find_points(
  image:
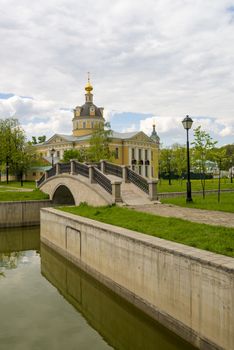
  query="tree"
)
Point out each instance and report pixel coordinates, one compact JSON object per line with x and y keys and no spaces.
{"x":179,"y":159}
{"x":40,"y":139}
{"x":78,"y":154}
{"x":203,"y":144}
{"x":15,"y":153}
{"x":167,"y":162}
{"x":99,"y":144}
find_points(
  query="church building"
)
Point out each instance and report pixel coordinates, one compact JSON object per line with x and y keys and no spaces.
{"x":135,"y":149}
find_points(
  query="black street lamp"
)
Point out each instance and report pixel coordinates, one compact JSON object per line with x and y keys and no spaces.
{"x":231,"y":170}
{"x":187,"y":124}
{"x":52,"y":152}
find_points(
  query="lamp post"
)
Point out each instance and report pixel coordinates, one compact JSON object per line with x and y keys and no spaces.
{"x":231,"y":170}
{"x":52,"y":152}
{"x":187,"y":124}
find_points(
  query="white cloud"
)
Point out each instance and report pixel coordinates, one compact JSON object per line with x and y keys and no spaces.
{"x":163,"y":57}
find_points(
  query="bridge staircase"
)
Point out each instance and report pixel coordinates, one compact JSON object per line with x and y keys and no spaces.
{"x":114,"y":182}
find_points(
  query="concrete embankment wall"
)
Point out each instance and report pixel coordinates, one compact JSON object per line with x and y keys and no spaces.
{"x":21,"y":213}
{"x":188,"y":290}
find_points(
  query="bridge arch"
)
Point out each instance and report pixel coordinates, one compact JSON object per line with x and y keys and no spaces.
{"x":62,"y":195}
{"x":80,"y":189}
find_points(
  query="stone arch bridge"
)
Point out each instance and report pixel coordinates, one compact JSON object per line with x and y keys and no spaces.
{"x":96,"y":184}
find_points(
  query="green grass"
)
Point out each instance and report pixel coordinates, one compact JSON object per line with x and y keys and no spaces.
{"x":213,"y":238}
{"x":178,"y":186}
{"x":26,"y":184}
{"x":23,"y":196}
{"x":210,"y":202}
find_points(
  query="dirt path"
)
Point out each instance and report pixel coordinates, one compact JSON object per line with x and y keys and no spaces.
{"x":210,"y":217}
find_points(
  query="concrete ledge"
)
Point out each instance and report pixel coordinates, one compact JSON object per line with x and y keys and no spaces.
{"x":188,"y":290}
{"x":21,"y":213}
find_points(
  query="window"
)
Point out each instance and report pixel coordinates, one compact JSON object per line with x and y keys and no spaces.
{"x":92,"y":125}
{"x":58,"y":154}
{"x":116,"y":153}
{"x":146,"y":154}
{"x":84,"y":125}
{"x":146,"y":171}
{"x":139,"y":170}
{"x":133,"y":153}
{"x":34,"y":174}
{"x":133,"y":167}
{"x":139,"y":154}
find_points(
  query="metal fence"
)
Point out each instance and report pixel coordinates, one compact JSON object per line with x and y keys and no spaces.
{"x":51,"y":172}
{"x":65,"y":167}
{"x":81,"y":169}
{"x":113,"y":169}
{"x":102,"y":180}
{"x":138,"y":180}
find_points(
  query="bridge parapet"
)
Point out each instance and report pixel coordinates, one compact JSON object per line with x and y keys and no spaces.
{"x":149,"y":186}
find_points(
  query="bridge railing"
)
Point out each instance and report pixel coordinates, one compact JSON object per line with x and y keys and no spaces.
{"x":64,"y":167}
{"x":42,"y":179}
{"x":102,"y":180}
{"x":80,"y":168}
{"x":138,"y":180}
{"x":113,"y":169}
{"x":51,"y":172}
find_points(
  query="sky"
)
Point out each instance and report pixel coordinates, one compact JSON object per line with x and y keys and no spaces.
{"x":151,"y":61}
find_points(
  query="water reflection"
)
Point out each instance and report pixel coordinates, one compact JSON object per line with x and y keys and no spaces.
{"x":120,"y":324}
{"x":13,"y":244}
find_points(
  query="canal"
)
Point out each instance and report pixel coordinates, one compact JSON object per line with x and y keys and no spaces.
{"x":48,"y":303}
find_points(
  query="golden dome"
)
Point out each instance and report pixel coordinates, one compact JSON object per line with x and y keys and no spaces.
{"x":88,"y":86}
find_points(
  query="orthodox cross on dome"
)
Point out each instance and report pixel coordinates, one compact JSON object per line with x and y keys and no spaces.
{"x":88,"y":86}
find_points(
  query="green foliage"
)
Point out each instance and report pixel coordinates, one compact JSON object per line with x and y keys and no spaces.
{"x":166,"y":162}
{"x":79,"y":154}
{"x":179,"y":159}
{"x":213,"y":238}
{"x":15,"y":152}
{"x":99,"y":144}
{"x":201,"y":152}
{"x":40,"y":139}
{"x":209,"y":203}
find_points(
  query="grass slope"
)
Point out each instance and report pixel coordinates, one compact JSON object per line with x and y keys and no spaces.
{"x":213,"y":238}
{"x":210,"y":202}
{"x":22,"y":196}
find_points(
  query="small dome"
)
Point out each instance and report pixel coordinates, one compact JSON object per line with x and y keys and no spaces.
{"x":88,"y":87}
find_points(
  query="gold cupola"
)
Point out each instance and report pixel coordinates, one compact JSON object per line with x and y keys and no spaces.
{"x":88,"y":117}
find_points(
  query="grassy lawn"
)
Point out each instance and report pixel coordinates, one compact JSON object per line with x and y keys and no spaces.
{"x":26,"y":184}
{"x":22,"y":196}
{"x":213,"y":238}
{"x":178,"y":186}
{"x":210,"y":202}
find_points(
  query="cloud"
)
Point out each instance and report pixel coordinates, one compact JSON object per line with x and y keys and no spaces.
{"x":160,"y":57}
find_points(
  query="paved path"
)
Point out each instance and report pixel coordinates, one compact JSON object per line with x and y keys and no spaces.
{"x":196,"y":215}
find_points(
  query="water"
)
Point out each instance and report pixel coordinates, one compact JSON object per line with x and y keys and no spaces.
{"x":48,"y":303}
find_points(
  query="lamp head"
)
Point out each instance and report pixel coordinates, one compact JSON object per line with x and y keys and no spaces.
{"x":187,"y":122}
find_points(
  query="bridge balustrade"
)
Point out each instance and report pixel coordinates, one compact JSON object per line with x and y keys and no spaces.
{"x":113,"y":169}
{"x":102,"y":180}
{"x":65,"y":167}
{"x":81,"y":169}
{"x":42,"y":179}
{"x":138,"y":180}
{"x":51,"y":172}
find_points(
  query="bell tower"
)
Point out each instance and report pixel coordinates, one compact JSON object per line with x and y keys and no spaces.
{"x":88,"y":117}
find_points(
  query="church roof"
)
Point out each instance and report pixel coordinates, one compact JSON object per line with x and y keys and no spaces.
{"x":85,"y":110}
{"x":123,"y":135}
